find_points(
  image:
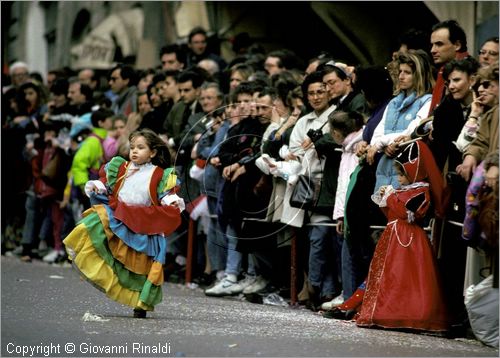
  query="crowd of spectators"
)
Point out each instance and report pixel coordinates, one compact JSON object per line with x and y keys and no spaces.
{"x":242,"y":133}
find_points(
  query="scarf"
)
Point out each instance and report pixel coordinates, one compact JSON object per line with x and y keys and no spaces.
{"x":401,"y":110}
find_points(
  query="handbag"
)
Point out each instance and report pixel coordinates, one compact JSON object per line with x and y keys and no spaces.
{"x":52,"y":168}
{"x":305,"y":193}
{"x":481,"y":302}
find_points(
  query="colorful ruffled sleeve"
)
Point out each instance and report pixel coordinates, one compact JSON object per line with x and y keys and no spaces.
{"x":112,"y":168}
{"x":168,"y":183}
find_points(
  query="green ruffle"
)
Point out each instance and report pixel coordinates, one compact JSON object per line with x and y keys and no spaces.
{"x":150,"y":293}
{"x":112,"y":170}
{"x":164,"y":184}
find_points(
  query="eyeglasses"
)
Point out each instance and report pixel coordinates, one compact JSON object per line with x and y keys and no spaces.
{"x":485,"y":84}
{"x":489,"y":52}
{"x":330,"y":83}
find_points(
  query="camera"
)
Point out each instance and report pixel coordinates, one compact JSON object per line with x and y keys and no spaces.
{"x":314,"y":134}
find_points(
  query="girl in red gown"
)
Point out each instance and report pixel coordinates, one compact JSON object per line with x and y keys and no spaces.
{"x":403,"y":288}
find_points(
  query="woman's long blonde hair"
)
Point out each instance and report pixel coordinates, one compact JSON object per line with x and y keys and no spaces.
{"x":420,"y":63}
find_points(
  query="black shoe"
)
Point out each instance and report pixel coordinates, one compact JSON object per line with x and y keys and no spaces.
{"x":205,"y":280}
{"x":253,"y":298}
{"x":61,"y":258}
{"x":314,"y":303}
{"x":337,"y":313}
{"x":139,"y":313}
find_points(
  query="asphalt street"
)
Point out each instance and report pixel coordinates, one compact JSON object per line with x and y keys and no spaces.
{"x":47,"y":310}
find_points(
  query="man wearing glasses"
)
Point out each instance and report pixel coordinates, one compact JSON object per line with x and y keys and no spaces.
{"x":488,"y":54}
{"x":19,"y":74}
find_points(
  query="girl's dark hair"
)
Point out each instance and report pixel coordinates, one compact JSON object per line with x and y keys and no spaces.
{"x":100,"y":115}
{"x":162,"y":157}
{"x":346,"y":122}
{"x":38,"y":88}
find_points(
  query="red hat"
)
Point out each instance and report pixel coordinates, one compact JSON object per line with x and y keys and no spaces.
{"x":419,"y":164}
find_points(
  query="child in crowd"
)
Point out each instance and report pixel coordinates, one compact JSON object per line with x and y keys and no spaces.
{"x":50,"y":165}
{"x":120,"y":244}
{"x":111,"y":144}
{"x":403,"y":289}
{"x":346,"y":130}
{"x":89,"y":156}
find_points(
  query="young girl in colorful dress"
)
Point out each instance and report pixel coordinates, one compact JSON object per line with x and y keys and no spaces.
{"x":120,"y":244}
{"x":403,"y":289}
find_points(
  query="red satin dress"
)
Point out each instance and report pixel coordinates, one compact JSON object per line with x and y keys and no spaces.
{"x":403,"y":288}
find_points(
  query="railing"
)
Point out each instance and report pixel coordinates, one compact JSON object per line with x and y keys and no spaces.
{"x":293,"y":249}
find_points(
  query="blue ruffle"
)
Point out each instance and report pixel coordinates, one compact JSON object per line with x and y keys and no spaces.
{"x":154,"y":246}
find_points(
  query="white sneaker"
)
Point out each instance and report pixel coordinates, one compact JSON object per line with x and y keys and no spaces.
{"x":337,"y":301}
{"x":259,"y":284}
{"x":52,"y":256}
{"x":220,"y":275}
{"x":242,"y":284}
{"x":226,"y":287}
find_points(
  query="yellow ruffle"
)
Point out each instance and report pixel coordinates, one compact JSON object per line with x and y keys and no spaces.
{"x":92,"y":266}
{"x":134,"y":261}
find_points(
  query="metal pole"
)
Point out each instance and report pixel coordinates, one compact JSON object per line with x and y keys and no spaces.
{"x":189,"y":256}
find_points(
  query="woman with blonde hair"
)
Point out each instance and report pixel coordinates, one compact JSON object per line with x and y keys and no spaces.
{"x":239,"y":73}
{"x":403,"y":113}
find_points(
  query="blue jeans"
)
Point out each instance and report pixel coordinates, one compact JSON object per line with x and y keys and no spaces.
{"x":323,"y":271}
{"x":234,"y":258}
{"x":216,"y":240}
{"x":33,"y":221}
{"x":349,"y":284}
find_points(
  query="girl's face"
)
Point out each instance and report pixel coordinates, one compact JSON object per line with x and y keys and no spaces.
{"x":31,"y":96}
{"x":402,"y":179}
{"x":144,"y":83}
{"x":405,"y":77}
{"x":140,"y":152}
{"x":143,"y":105}
{"x":119,"y":127}
{"x":236,"y":79}
{"x":459,"y":84}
